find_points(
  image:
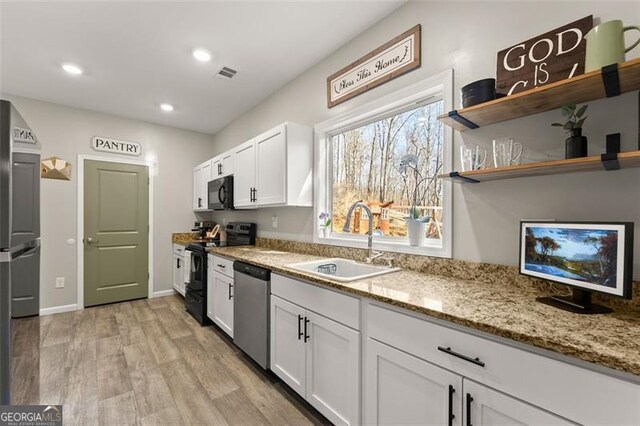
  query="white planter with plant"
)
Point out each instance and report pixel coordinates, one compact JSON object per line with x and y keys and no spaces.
{"x":416,"y":224}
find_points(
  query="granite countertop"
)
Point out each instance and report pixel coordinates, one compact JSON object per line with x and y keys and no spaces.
{"x":611,"y":340}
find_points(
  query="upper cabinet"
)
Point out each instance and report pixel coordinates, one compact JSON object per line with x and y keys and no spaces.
{"x":244,"y":177}
{"x":275,"y":168}
{"x":222,"y":165}
{"x":201,"y":177}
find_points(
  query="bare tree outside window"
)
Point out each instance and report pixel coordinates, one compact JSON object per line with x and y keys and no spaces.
{"x":366,"y":167}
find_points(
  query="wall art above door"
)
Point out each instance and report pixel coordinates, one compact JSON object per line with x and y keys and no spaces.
{"x":394,"y":58}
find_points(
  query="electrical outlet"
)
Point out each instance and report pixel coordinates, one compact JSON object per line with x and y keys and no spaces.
{"x":60,"y":282}
{"x":274,"y":221}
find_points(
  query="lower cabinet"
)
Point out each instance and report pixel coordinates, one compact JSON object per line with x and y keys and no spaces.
{"x":484,"y":406}
{"x":220,"y":298}
{"x":317,"y":357}
{"x":178,"y":274}
{"x":403,"y":389}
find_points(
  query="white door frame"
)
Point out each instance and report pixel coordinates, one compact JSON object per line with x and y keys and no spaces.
{"x":80,"y":233}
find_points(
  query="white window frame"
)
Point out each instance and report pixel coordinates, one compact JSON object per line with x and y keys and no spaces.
{"x":439,"y":86}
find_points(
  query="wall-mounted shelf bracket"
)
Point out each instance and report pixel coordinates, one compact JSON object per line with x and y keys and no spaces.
{"x":460,"y":119}
{"x":611,"y":80}
{"x":456,"y":175}
{"x":610,"y":161}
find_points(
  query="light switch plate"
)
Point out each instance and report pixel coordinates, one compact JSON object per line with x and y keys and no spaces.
{"x":274,"y":221}
{"x":60,"y":282}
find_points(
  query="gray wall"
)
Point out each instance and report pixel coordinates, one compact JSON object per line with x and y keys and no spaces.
{"x":467,"y":37}
{"x":67,"y":132}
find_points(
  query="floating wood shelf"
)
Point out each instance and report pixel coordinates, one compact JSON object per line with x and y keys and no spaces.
{"x":583,"y":88}
{"x":584,"y":164}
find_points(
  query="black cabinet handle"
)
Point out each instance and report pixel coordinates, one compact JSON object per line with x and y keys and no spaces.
{"x":230,"y":295}
{"x":300,"y":334}
{"x":469,"y":401}
{"x":306,"y":336}
{"x":451,"y":415}
{"x":448,"y":350}
{"x":199,"y":202}
{"x":220,"y":265}
{"x":178,"y":263}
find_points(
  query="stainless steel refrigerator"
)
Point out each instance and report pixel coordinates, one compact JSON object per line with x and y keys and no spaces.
{"x":19,"y":230}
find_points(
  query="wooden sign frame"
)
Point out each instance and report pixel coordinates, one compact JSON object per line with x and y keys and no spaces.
{"x":376,"y":68}
{"x":553,"y":56}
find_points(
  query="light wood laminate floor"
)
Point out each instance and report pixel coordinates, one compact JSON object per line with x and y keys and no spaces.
{"x":145,"y":362}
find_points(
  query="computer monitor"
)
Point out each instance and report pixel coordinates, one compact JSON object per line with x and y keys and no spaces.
{"x":589,"y":257}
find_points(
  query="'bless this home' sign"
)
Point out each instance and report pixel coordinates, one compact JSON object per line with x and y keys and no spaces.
{"x":550,"y":57}
{"x":394,"y":58}
{"x":116,"y":146}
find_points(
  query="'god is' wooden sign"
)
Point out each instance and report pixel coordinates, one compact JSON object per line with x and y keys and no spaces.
{"x":550,"y":57}
{"x":391,"y":60}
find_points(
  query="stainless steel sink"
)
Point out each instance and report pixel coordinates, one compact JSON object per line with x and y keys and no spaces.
{"x":342,"y":270}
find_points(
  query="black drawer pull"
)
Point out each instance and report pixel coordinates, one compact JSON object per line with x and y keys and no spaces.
{"x":230,"y":295}
{"x":469,"y":401}
{"x":448,"y":350}
{"x":306,"y":322}
{"x":300,"y":334}
{"x":451,"y":415}
{"x":220,"y":265}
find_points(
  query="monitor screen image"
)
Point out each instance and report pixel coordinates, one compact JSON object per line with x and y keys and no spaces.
{"x":591,"y":256}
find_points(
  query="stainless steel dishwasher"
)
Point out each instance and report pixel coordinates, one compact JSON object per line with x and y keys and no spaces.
{"x":251,"y":290}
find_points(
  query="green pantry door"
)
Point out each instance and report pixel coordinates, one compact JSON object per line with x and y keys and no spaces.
{"x":116,"y":232}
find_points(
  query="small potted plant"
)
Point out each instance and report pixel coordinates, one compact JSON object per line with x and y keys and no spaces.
{"x":416,"y":224}
{"x":576,"y":144}
{"x":417,"y":227}
{"x":325,"y":224}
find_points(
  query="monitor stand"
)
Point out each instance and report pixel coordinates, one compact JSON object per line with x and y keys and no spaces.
{"x":579,"y":302}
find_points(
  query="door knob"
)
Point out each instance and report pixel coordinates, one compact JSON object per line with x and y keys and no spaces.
{"x":91,"y":240}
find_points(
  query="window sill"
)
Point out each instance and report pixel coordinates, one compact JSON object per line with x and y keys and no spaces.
{"x":381,"y":245}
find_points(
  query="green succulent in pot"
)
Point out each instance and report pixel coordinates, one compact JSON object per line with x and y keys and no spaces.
{"x":575,"y":117}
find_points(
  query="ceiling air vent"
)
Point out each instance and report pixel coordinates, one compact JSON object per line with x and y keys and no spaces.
{"x":227,"y":72}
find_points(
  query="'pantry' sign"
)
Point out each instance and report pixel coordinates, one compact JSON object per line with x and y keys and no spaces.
{"x":116,"y":146}
{"x":391,"y":60}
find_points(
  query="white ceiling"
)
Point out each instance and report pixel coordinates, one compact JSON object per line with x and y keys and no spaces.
{"x":138,"y":55}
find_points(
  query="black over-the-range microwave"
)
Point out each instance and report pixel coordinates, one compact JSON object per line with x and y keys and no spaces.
{"x":220,"y":192}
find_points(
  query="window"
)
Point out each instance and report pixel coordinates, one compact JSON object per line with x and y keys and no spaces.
{"x":388,"y":154}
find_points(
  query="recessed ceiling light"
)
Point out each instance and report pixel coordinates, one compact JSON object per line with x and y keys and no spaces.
{"x":166,"y":107}
{"x":72,"y":69}
{"x":202,"y":55}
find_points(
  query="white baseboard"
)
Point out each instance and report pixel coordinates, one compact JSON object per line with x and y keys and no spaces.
{"x":163,"y":293}
{"x":58,"y":309}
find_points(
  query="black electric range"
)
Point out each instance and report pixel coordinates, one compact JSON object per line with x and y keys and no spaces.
{"x":238,"y":234}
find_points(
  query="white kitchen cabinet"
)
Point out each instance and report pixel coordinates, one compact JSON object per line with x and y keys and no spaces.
{"x":201,"y":177}
{"x":244,"y":175}
{"x":222,"y":306}
{"x":178,"y":274}
{"x":316,"y":356}
{"x":271,"y":167}
{"x":222,"y":165}
{"x":546,"y":384}
{"x":220,"y":294}
{"x":333,"y":369}
{"x":288,"y":354}
{"x":403,"y":389}
{"x":484,"y":406}
{"x":275,"y":168}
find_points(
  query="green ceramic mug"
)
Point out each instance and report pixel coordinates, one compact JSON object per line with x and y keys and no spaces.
{"x":605,"y":44}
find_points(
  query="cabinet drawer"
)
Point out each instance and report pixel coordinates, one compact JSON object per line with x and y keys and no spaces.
{"x":223,"y":265}
{"x":178,"y":249}
{"x":339,"y":307}
{"x":573,"y":392}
